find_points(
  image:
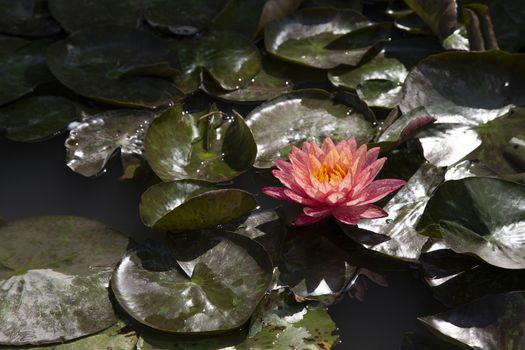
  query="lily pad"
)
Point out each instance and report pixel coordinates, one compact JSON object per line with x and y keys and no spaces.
{"x":54,"y":276}
{"x":276,"y":9}
{"x":207,"y":282}
{"x":440,"y":16}
{"x":462,"y":214}
{"x":199,"y":146}
{"x":414,"y":341}
{"x":377,"y":82}
{"x":302,"y":37}
{"x":462,"y":90}
{"x":229,"y":58}
{"x":185,"y":17}
{"x":305,"y":115}
{"x":23,"y":67}
{"x":492,"y":322}
{"x":92,"y":142}
{"x":241,"y":16}
{"x":27,"y":18}
{"x":37,"y":118}
{"x":110,"y":64}
{"x":403,"y":128}
{"x":81,"y":14}
{"x":192,"y":205}
{"x":404,"y":211}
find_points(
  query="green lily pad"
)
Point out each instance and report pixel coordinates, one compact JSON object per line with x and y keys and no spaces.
{"x":278,"y":323}
{"x":92,"y":142}
{"x":276,"y":9}
{"x":112,"y":338}
{"x":463,"y":213}
{"x":37,"y":118}
{"x":305,"y":115}
{"x":110,"y":64}
{"x":462,"y":90}
{"x":54,"y":276}
{"x":81,"y":14}
{"x":377,"y":82}
{"x":440,"y":16}
{"x":23,"y":67}
{"x":199,"y":146}
{"x":241,"y":16}
{"x":185,"y":17}
{"x":229,"y":58}
{"x":192,"y":205}
{"x":404,"y":211}
{"x":206,"y":282}
{"x":492,"y":322}
{"x":27,"y":18}
{"x":302,"y":37}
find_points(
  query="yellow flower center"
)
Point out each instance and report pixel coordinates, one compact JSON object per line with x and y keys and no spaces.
{"x":334,"y":174}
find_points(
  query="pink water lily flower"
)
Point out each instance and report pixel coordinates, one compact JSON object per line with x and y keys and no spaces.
{"x":333,"y":180}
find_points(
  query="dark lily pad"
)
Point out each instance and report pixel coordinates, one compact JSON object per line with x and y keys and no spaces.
{"x":80,"y":14}
{"x":185,"y":17}
{"x":462,"y":90}
{"x":92,"y":142}
{"x":23,"y":67}
{"x":207,"y":282}
{"x":276,"y":9}
{"x":377,"y":82}
{"x":27,"y":18}
{"x":37,"y":118}
{"x":192,"y":205}
{"x":412,"y":24}
{"x":305,"y":115}
{"x":115,"y":337}
{"x":230,"y":59}
{"x":404,"y":127}
{"x":492,"y":322}
{"x":54,"y":276}
{"x":199,"y":146}
{"x":302,"y":37}
{"x":440,"y":16}
{"x":404,"y":211}
{"x":463,"y":214}
{"x":241,"y":16}
{"x":110,"y":64}
{"x":413,"y":341}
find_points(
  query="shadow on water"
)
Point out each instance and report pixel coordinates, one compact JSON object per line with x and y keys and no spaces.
{"x":36,"y":181}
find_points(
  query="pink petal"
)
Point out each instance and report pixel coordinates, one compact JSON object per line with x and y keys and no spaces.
{"x":284,"y":166}
{"x":368,"y":174}
{"x":328,"y":145}
{"x":371,"y":155}
{"x":303,"y":220}
{"x":288,"y":180}
{"x":373,"y":212}
{"x":379,"y":189}
{"x":277,"y":192}
{"x":301,"y":199}
{"x":351,"y":215}
{"x":317,"y":212}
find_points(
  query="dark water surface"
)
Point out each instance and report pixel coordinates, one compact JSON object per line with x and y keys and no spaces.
{"x":34,"y":180}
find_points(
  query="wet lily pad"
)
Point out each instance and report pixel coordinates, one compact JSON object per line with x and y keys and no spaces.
{"x":230,"y":59}
{"x":440,"y":16}
{"x":276,"y":9}
{"x":37,"y":118}
{"x":81,"y":14}
{"x":199,"y":146}
{"x":463,"y":214}
{"x":92,"y":142}
{"x":27,"y":18}
{"x":403,"y":128}
{"x":492,"y":322}
{"x":302,"y":37}
{"x":462,"y":90}
{"x":377,"y":82}
{"x":404,"y":211}
{"x":304,"y":115}
{"x":192,"y":205}
{"x":23,"y":67}
{"x":241,"y":16}
{"x":54,"y":276}
{"x":206,"y":282}
{"x":110,"y":64}
{"x":185,"y":17}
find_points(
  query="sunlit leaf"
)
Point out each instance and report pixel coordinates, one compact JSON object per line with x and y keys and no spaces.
{"x":192,"y":205}
{"x":54,"y":274}
{"x":305,"y":115}
{"x":205,"y":282}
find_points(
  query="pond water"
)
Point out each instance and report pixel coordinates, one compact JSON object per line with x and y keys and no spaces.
{"x":35,"y":181}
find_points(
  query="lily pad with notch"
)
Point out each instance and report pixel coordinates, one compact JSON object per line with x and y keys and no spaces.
{"x":54,"y":274}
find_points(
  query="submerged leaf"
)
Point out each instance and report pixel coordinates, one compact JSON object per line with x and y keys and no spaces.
{"x":92,"y":142}
{"x":305,"y":115}
{"x":53,"y":279}
{"x":206,"y":282}
{"x":192,"y":205}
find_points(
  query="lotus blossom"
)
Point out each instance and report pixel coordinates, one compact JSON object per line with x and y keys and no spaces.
{"x":333,"y":180}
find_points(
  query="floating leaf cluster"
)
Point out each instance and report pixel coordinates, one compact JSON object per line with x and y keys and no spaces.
{"x":193,"y":95}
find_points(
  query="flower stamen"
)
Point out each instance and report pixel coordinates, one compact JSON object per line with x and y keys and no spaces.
{"x":333,"y":174}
